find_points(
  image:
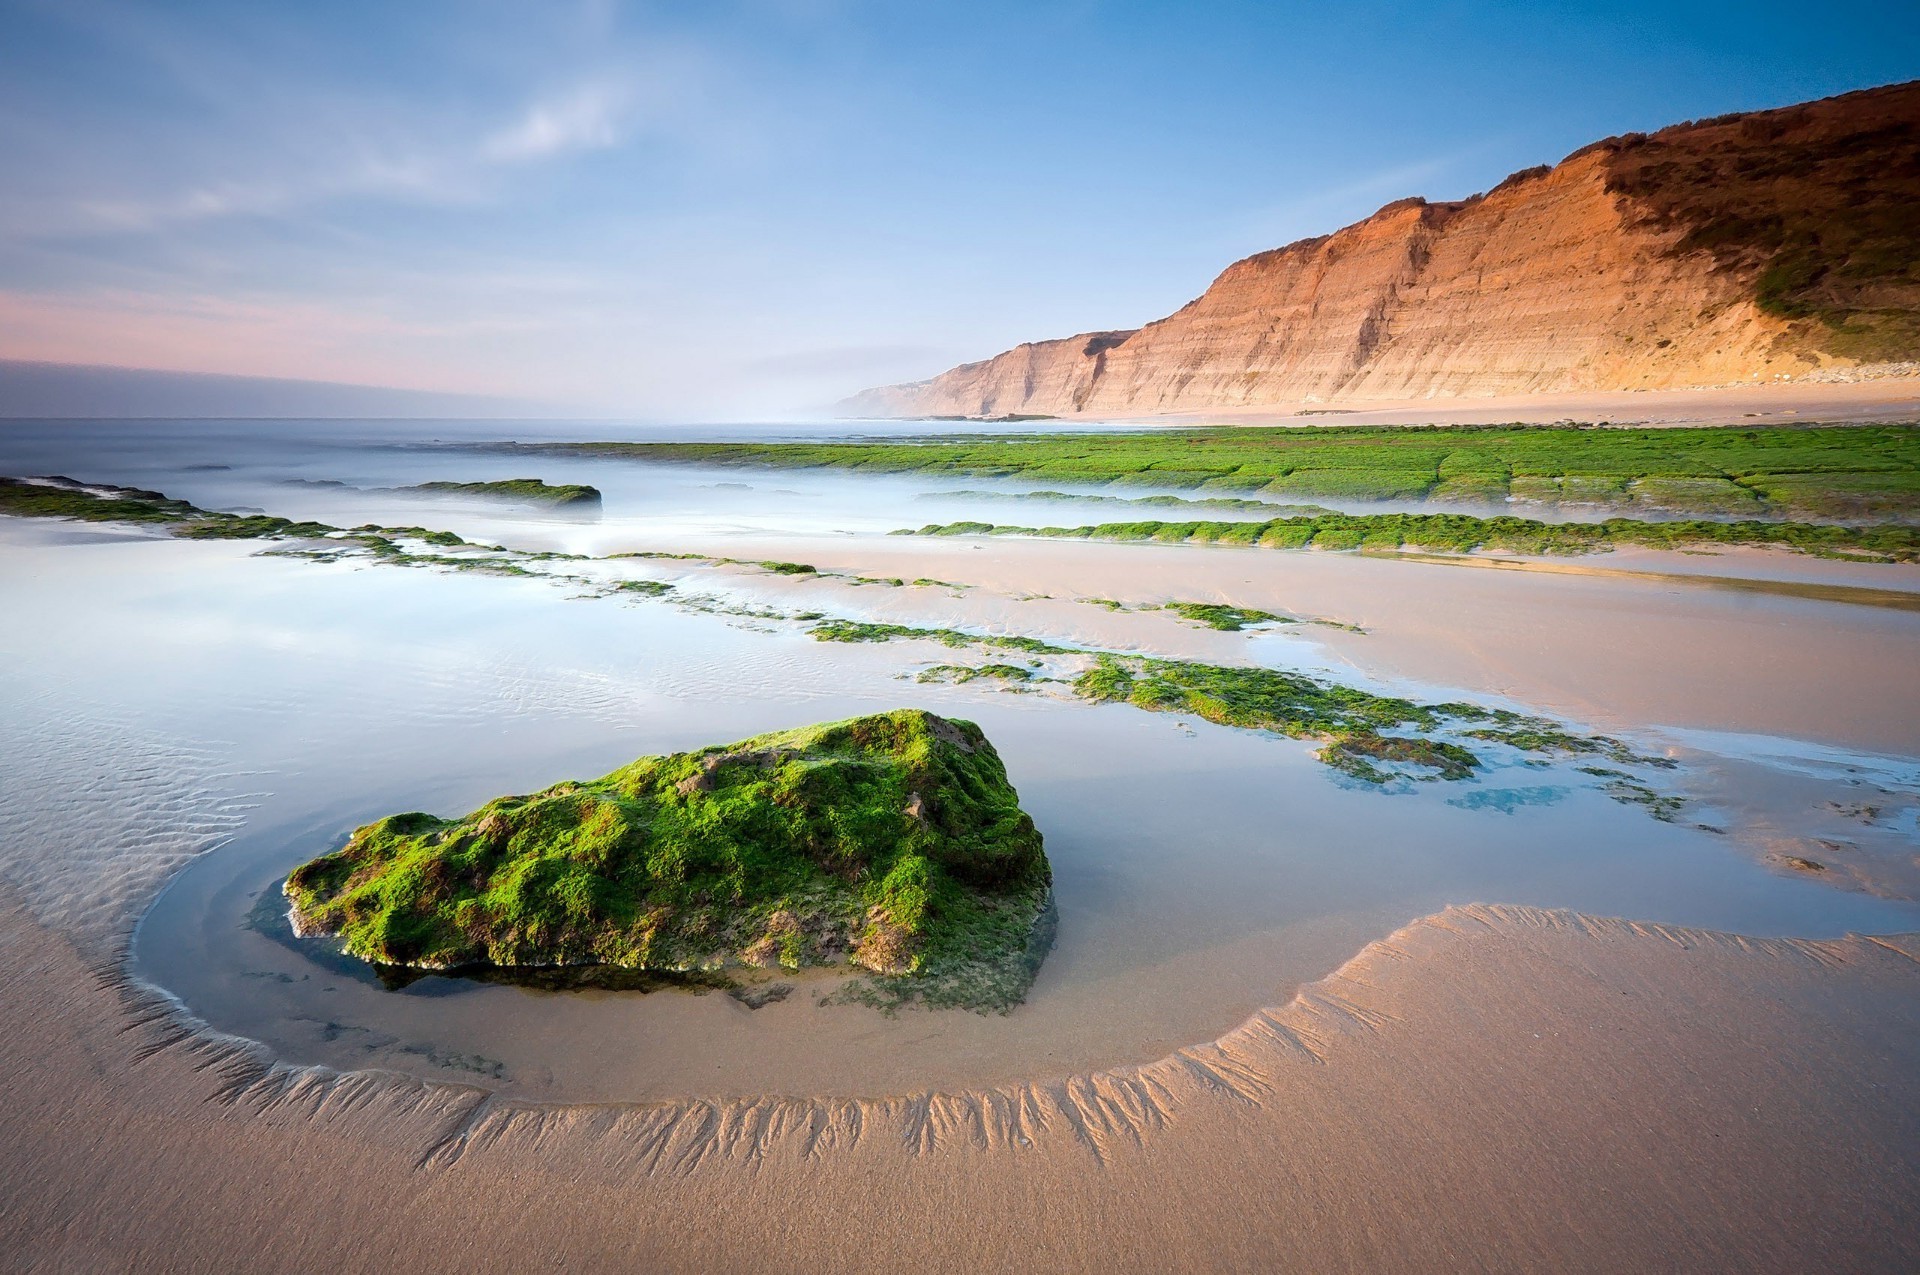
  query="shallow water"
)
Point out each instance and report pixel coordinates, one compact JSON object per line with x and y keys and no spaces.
{"x":337,"y":470}
{"x":178,"y":695}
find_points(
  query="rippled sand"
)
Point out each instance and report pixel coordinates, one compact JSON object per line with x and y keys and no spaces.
{"x":1490,"y":1088}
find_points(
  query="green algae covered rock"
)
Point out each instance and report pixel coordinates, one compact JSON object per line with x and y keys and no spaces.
{"x":533,"y":490}
{"x":891,"y":843}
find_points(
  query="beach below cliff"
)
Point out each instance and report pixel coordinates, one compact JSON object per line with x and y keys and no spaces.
{"x":1894,"y":397}
{"x":1293,"y":1020}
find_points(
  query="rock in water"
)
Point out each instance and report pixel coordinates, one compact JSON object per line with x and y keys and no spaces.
{"x":893,"y":843}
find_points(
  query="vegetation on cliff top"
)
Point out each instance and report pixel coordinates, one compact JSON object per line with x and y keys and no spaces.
{"x":1818,"y":203}
{"x":893,"y":843}
{"x":1802,"y":471}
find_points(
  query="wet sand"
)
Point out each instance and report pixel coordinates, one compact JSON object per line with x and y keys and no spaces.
{"x":1616,"y":652}
{"x":1490,"y":1089}
{"x":1887,"y":399}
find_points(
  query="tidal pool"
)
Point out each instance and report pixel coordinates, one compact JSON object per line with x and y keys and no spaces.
{"x":164,"y":697}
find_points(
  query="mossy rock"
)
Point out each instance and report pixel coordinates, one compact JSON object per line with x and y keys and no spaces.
{"x":533,"y":490}
{"x":892,"y":843}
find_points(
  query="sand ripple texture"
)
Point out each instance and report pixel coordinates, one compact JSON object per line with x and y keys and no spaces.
{"x":1099,"y":1115}
{"x":99,"y":810}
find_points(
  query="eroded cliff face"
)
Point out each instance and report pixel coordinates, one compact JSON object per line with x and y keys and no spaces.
{"x":1730,"y":250}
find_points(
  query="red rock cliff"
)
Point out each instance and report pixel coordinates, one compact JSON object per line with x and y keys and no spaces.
{"x":1771,"y":242}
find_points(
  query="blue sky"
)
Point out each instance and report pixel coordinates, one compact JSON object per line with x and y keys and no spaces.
{"x":748,"y":207}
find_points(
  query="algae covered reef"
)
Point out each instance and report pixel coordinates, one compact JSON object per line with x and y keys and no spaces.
{"x":528,"y":490}
{"x":891,"y":844}
{"x":1464,"y":533}
{"x":58,"y":497}
{"x":1805,"y":472}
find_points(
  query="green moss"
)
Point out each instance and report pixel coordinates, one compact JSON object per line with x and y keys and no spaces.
{"x":1224,"y":504}
{"x":534,"y":490}
{"x":1256,"y":698}
{"x":1868,"y":471}
{"x":645,"y":588}
{"x":1462,"y":533}
{"x":1358,"y":754}
{"x":788,"y":568}
{"x":249,"y":527}
{"x":866,"y":631}
{"x":1630,"y":791}
{"x":963,"y":673}
{"x":1536,"y":735}
{"x":1227,"y":619}
{"x":893,"y":842}
{"x":65,"y":498}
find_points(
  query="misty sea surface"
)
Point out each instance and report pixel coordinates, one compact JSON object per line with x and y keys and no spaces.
{"x":216,"y":696}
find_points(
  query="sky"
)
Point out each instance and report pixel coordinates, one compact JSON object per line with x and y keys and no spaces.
{"x":744,"y":209}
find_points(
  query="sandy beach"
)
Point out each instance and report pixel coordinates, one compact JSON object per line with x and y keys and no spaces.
{"x":1289,"y":1024}
{"x":1892,"y":398}
{"x":1496,"y":1088}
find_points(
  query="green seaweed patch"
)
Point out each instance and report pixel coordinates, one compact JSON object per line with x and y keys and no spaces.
{"x":1465,"y":533}
{"x":1256,"y":698}
{"x":788,"y":568}
{"x":959,"y":674}
{"x":1210,"y":503}
{"x":533,"y":490}
{"x":1535,"y":735}
{"x":1227,"y":619}
{"x":444,"y":538}
{"x":891,"y":843}
{"x":66,"y":498}
{"x":837,"y":630}
{"x":1629,"y":791}
{"x":644,"y":588}
{"x":218,"y":526}
{"x":1377,"y":759}
{"x":1811,"y":471}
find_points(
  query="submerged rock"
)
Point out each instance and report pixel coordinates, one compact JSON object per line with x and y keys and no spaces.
{"x":892,"y":843}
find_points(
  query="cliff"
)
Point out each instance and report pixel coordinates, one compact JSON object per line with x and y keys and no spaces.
{"x":1750,"y":246}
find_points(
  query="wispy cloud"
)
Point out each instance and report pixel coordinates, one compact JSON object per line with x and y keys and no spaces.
{"x":591,"y":117}
{"x":594,"y":116}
